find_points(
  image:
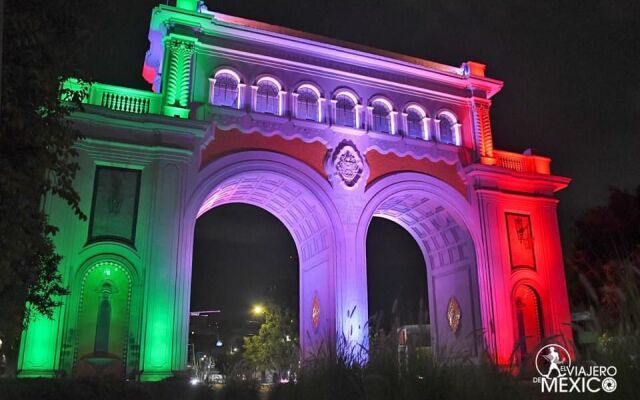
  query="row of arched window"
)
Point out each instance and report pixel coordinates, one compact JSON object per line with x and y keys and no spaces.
{"x":268,"y":96}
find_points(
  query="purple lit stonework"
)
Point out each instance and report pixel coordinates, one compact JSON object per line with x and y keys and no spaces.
{"x":325,"y":136}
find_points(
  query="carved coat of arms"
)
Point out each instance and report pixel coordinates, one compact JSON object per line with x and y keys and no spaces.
{"x":346,"y":164}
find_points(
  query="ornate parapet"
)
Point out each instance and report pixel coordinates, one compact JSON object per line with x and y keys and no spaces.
{"x":527,"y":163}
{"x":115,"y":98}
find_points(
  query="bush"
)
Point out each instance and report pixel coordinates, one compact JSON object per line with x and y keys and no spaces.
{"x":330,"y":377}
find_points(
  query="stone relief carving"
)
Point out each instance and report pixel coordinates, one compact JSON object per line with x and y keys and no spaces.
{"x":453,"y":314}
{"x":315,"y":311}
{"x":346,"y":165}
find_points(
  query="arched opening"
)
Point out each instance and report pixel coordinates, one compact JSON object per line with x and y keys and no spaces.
{"x":345,"y":109}
{"x":397,"y":287}
{"x":416,"y":122}
{"x":381,"y":116}
{"x":295,"y":196}
{"x":528,"y":319}
{"x":437,"y":218}
{"x":103,"y":321}
{"x":448,"y":129}
{"x":308,"y":103}
{"x":225,"y":89}
{"x":243,"y":257}
{"x":268,"y":96}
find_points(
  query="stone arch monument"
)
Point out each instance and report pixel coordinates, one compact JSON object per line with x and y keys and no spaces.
{"x":337,"y":135}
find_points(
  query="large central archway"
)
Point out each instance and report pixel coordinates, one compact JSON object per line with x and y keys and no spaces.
{"x":294,"y":194}
{"x":440,"y":220}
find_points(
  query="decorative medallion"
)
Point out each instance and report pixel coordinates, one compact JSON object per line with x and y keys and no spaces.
{"x":315,"y":311}
{"x":346,"y":164}
{"x":453,"y":314}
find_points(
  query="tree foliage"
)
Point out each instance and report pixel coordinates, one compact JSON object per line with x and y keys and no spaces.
{"x":607,"y":257}
{"x":40,"y":48}
{"x":276,"y":344}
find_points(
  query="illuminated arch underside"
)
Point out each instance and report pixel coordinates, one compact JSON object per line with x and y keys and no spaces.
{"x":442,"y":239}
{"x":451,"y":266}
{"x":303,"y":215}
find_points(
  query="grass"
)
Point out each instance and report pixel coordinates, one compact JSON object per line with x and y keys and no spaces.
{"x":341,"y":377}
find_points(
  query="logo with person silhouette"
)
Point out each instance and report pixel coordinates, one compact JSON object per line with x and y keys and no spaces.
{"x":549,"y":360}
{"x":557,"y":375}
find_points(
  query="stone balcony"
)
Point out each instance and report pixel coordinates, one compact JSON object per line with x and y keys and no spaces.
{"x":118,"y":98}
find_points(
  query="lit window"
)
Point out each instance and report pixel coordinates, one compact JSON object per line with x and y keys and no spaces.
{"x":308,"y":103}
{"x":447,"y":130}
{"x":381,"y":117}
{"x":268,"y":97}
{"x":225,"y":90}
{"x":415,"y":123}
{"x":345,"y":110}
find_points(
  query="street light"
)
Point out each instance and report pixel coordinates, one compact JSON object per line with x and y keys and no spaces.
{"x":258,"y":309}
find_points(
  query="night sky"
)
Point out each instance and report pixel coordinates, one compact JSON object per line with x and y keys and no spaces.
{"x":572,"y":92}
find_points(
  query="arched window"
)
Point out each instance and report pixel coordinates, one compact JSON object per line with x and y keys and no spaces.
{"x":268,"y":96}
{"x":308,"y":103}
{"x":345,"y":110}
{"x":528,"y":319}
{"x":381,"y":117}
{"x":416,"y":123}
{"x":225,"y":90}
{"x":447,"y":129}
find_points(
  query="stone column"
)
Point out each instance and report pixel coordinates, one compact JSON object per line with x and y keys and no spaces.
{"x":159,"y":320}
{"x":348,"y":174}
{"x":539,"y":267}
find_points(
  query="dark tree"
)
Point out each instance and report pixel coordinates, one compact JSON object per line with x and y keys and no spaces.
{"x":606,"y":255}
{"x":41,"y":44}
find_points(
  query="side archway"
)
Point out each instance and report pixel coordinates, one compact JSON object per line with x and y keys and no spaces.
{"x":300,"y":199}
{"x":528,"y":319}
{"x":441,"y":222}
{"x":103,"y":326}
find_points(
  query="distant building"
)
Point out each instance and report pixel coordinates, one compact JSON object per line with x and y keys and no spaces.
{"x":414,"y":341}
{"x":205,"y":332}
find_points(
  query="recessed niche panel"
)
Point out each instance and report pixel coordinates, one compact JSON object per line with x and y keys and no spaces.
{"x":115,"y":205}
{"x":520,"y":241}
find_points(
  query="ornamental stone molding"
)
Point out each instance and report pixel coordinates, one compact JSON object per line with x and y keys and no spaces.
{"x":346,"y":166}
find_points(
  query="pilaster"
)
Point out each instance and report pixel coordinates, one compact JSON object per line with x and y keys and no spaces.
{"x":482,"y":130}
{"x":177,"y":86}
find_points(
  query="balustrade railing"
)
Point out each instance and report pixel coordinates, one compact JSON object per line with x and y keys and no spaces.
{"x":522,"y":162}
{"x":119,"y":98}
